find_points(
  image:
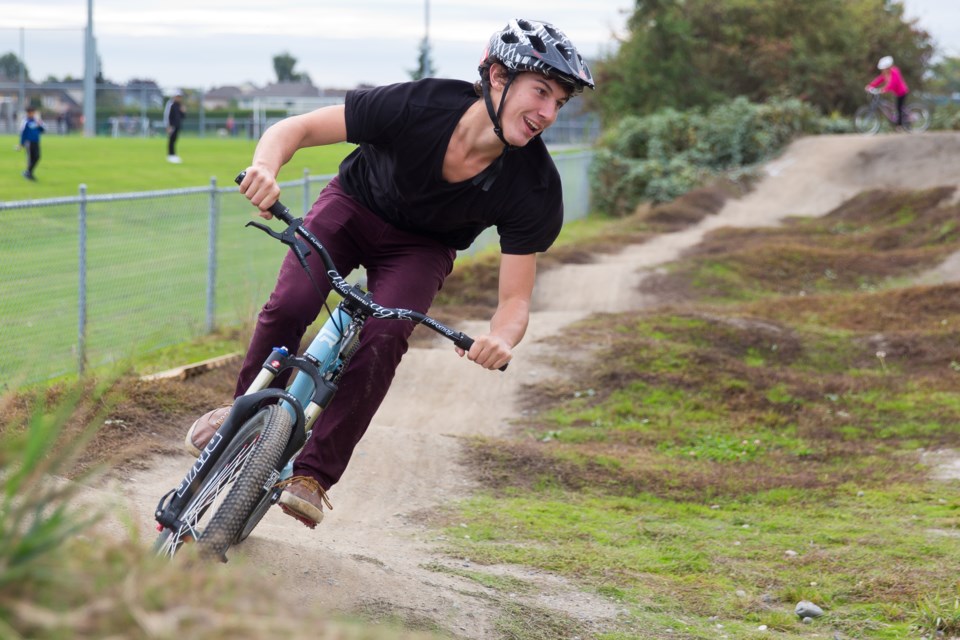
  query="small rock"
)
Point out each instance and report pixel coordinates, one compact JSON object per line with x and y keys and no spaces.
{"x":807,"y":620}
{"x":806,"y":609}
{"x":790,"y":553}
{"x":762,"y":627}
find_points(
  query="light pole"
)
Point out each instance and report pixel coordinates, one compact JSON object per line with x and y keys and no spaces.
{"x":23,"y":76}
{"x":90,"y":78}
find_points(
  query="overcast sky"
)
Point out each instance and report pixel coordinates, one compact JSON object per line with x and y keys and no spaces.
{"x":339,"y":43}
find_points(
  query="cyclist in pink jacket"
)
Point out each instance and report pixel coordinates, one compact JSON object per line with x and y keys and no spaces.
{"x":890,"y":80}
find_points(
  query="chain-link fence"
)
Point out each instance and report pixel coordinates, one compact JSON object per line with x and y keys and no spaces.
{"x":89,"y":280}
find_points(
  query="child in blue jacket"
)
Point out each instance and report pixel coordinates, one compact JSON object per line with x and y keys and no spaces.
{"x":30,"y":140}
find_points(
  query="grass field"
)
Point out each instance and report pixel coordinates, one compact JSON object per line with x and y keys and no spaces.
{"x":116,"y":165}
{"x":147,"y":259}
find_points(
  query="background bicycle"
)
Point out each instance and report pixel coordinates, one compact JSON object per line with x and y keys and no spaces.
{"x":869,"y":118}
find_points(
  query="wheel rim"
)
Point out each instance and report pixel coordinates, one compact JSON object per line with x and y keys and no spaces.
{"x":198,"y":511}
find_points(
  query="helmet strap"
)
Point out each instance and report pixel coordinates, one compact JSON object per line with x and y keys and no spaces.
{"x":488,"y":101}
{"x":486,"y":178}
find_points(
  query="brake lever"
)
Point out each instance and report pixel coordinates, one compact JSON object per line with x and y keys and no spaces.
{"x":288,"y":236}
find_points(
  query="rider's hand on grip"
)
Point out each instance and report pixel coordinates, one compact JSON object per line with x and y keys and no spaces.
{"x":278,"y":209}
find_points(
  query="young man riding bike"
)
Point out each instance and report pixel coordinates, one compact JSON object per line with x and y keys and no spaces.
{"x":438,"y":162}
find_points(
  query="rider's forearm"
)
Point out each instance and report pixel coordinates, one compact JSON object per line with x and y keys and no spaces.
{"x":510,"y":321}
{"x":277,"y":146}
{"x":283,"y":139}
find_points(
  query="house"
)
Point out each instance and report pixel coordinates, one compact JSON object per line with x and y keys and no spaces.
{"x":59,"y":105}
{"x":224,"y":97}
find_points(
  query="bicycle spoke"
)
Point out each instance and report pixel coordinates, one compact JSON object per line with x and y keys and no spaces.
{"x":212,"y":491}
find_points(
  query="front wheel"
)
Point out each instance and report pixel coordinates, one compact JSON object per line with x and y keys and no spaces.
{"x":865,"y":120}
{"x":215,"y":516}
{"x":918,"y":117}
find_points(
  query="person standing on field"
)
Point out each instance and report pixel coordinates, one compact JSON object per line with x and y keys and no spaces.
{"x":30,"y":132}
{"x":173,"y":115}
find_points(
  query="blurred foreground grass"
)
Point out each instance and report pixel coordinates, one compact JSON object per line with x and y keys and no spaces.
{"x":64,"y":576}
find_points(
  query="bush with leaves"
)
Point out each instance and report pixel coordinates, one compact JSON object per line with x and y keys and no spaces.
{"x":661,"y":156}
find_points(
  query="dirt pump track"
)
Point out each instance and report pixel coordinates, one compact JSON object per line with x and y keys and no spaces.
{"x":373,"y":553}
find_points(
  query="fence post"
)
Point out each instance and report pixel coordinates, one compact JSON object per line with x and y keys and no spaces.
{"x":212,"y":258}
{"x":82,"y":285}
{"x":306,"y":191}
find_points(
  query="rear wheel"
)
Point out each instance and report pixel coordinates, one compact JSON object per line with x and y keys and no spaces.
{"x":235,"y":486}
{"x":866,"y":120}
{"x":918,"y":117}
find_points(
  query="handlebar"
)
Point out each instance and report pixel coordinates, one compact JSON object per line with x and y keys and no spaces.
{"x":354,"y":294}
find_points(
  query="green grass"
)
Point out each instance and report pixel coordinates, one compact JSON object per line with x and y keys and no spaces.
{"x":147,"y":259}
{"x":715,"y":463}
{"x":120,"y":165}
{"x":686,"y":503}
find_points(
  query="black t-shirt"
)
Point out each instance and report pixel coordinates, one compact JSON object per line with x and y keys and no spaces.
{"x":397,"y":171}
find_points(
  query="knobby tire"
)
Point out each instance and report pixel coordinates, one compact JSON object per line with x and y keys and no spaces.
{"x":240,"y":474}
{"x":249,"y":486}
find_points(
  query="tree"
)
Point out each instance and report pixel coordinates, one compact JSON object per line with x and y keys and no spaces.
{"x":425,"y":68}
{"x":283,"y":65}
{"x":10,"y":66}
{"x":695,"y":53}
{"x":944,"y":77}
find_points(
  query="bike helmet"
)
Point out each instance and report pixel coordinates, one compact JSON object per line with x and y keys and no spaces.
{"x":532,"y":45}
{"x":885,"y":63}
{"x":529,"y":45}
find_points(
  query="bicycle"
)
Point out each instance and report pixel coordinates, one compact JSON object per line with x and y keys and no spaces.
{"x":234,"y":481}
{"x":867,"y":118}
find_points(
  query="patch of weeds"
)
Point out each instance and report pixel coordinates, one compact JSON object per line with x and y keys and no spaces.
{"x":501,"y":583}
{"x":866,"y":244}
{"x":824,"y":547}
{"x":524,"y":622}
{"x":392,"y":622}
{"x":938,"y":614}
{"x":716,"y":447}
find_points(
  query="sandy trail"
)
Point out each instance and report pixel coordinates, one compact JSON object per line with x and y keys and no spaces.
{"x":372,"y":551}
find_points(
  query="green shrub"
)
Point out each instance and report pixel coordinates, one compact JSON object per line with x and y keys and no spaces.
{"x":946,"y":117}
{"x":665,"y":154}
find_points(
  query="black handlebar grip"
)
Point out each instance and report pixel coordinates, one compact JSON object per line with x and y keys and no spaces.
{"x":278,"y":209}
{"x":465,"y":342}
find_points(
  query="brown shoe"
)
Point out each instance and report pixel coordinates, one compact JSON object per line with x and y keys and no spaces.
{"x":304,"y":498}
{"x":202,"y":430}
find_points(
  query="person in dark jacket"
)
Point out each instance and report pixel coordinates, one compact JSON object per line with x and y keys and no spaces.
{"x":30,"y":132}
{"x":173,"y":115}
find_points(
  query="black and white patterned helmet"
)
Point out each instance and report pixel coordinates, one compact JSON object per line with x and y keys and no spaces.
{"x":532,"y":45}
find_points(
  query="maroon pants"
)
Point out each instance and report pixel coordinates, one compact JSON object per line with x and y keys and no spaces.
{"x":403,"y":270}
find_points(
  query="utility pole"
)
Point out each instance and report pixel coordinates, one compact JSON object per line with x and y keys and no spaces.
{"x":426,"y":24}
{"x":23,"y":76}
{"x":90,"y":78}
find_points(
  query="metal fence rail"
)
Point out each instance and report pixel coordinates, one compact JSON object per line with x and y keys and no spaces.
{"x":94,"y":279}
